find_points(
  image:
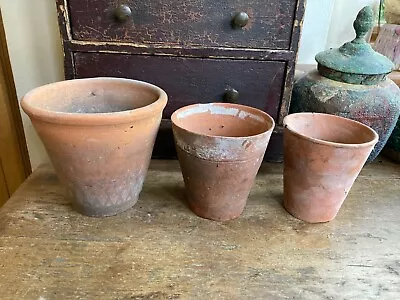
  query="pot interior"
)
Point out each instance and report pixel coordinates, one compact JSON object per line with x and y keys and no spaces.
{"x":95,"y":95}
{"x":330,"y":128}
{"x":228,"y":120}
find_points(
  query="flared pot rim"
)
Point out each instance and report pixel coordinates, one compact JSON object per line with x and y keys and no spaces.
{"x":240,"y":107}
{"x":370,"y":143}
{"x":102,"y":118}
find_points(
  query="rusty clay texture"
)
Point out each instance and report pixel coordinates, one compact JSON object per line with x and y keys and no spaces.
{"x":377,"y":106}
{"x":99,"y":134}
{"x":323,"y":156}
{"x":220,"y":149}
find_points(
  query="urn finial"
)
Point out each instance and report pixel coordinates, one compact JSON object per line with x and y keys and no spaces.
{"x":355,"y":62}
{"x":364,"y":22}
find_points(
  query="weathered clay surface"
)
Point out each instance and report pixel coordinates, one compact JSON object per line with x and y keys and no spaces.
{"x":99,"y":134}
{"x":323,"y":155}
{"x":220,"y":149}
{"x":377,"y":106}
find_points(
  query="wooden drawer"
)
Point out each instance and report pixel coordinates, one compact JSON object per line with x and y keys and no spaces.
{"x":187,"y":23}
{"x":192,"y":80}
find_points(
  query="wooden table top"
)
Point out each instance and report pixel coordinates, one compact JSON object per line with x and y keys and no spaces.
{"x":160,"y":250}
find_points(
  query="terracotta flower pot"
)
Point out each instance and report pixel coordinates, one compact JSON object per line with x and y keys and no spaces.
{"x":323,"y":155}
{"x":99,"y":134}
{"x":220,"y":149}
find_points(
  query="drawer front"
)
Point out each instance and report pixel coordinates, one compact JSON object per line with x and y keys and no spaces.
{"x":185,"y":23}
{"x":193,"y":80}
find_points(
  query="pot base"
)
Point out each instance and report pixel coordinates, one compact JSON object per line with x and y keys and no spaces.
{"x":305,"y":217}
{"x":108,"y":211}
{"x":214,"y":216}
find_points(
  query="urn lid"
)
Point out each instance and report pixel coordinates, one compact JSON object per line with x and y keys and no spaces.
{"x":355,"y":62}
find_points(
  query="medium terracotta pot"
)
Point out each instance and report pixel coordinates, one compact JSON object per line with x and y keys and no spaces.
{"x":220,"y":149}
{"x":352,"y":82}
{"x":99,"y":134}
{"x":323,"y":155}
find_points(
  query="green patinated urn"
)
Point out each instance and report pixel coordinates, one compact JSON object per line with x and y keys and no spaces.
{"x":351,"y":81}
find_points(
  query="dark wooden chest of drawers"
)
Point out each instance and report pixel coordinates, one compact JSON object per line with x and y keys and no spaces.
{"x":196,"y":50}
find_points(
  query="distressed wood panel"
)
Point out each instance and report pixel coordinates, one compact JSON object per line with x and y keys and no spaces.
{"x":166,"y":29}
{"x":198,"y":52}
{"x":186,"y":23}
{"x":189,"y":81}
{"x":297,"y":24}
{"x":160,"y":250}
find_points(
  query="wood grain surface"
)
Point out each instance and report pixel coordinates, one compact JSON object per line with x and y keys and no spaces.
{"x":160,"y":250}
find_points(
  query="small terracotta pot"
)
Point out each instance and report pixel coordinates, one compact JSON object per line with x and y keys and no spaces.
{"x":220,"y":149}
{"x":99,"y":134}
{"x":323,"y":155}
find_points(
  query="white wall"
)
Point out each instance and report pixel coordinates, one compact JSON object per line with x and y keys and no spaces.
{"x":328,"y":24}
{"x":317,"y":20}
{"x":36,"y":55}
{"x":341,"y":29}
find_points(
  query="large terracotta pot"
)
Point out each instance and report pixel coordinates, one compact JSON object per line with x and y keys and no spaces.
{"x":323,"y":155}
{"x":220,"y":149}
{"x":99,"y":134}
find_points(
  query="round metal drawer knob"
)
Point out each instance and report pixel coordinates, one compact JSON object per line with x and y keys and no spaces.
{"x":231,"y":95}
{"x":240,"y":19}
{"x":123,"y":13}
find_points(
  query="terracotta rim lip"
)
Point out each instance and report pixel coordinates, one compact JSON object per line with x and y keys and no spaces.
{"x":238,"y":106}
{"x":93,"y":118}
{"x":328,"y":143}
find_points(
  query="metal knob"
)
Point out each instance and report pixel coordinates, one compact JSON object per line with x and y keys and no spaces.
{"x":231,"y":95}
{"x":123,"y":13}
{"x":240,"y":19}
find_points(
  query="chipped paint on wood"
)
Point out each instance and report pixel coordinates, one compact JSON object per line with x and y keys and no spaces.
{"x":272,"y":35}
{"x":187,"y":23}
{"x":200,"y":52}
{"x":204,"y":81}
